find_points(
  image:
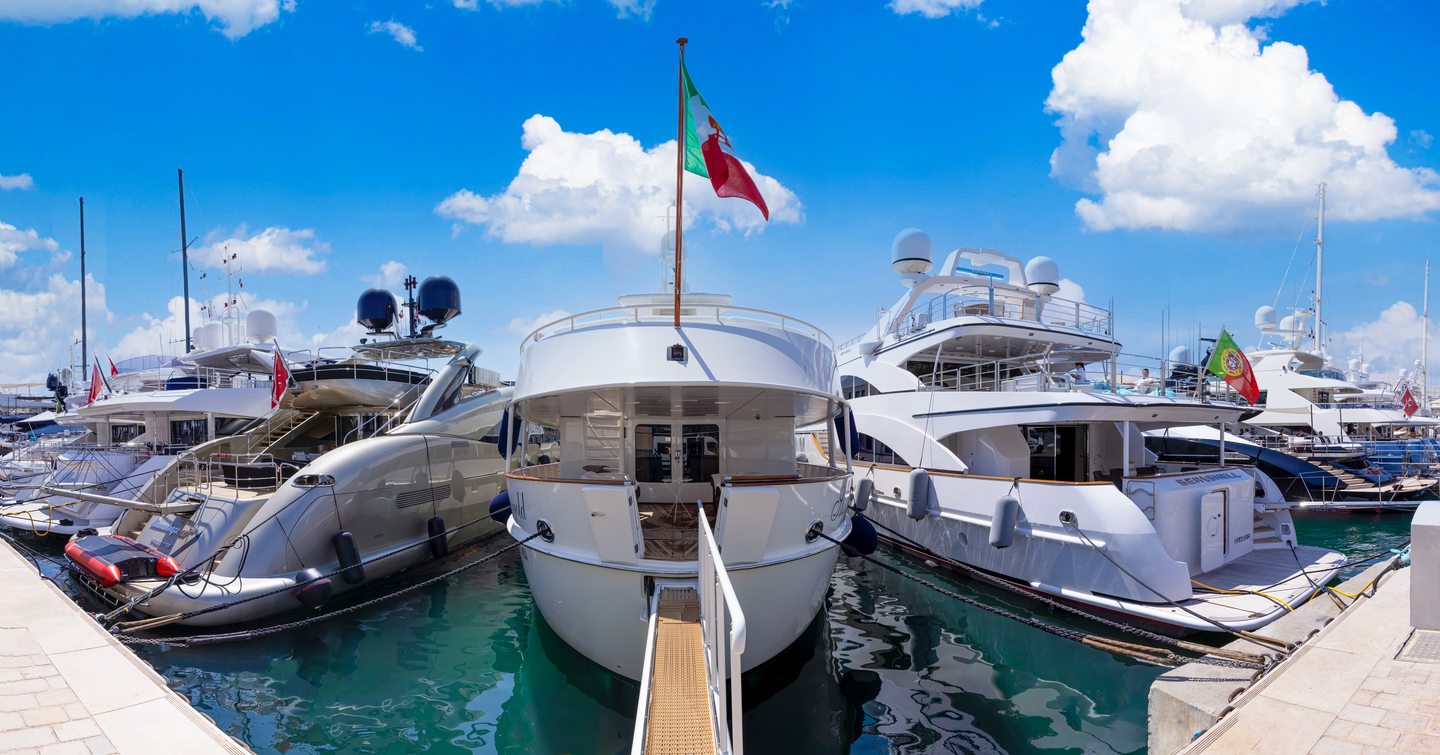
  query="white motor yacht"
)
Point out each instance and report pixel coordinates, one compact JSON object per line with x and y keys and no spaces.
{"x":1001,"y":430}
{"x":671,"y":428}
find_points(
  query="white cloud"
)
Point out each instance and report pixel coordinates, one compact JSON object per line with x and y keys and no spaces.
{"x":606,"y":188}
{"x":1070,"y":290}
{"x":275,"y":249}
{"x":165,"y":334}
{"x":1173,"y":113}
{"x":398,"y":32}
{"x":637,"y":8}
{"x":13,"y":241}
{"x":466,"y":4}
{"x":933,"y":8}
{"x":1421,"y":138}
{"x":391,"y":274}
{"x":22,"y":182}
{"x":1390,"y":342}
{"x":39,"y":326}
{"x":524,"y":326}
{"x":235,"y":18}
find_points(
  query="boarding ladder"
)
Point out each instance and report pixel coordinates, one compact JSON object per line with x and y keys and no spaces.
{"x":696,"y":640}
{"x":275,"y":429}
{"x":604,"y":438}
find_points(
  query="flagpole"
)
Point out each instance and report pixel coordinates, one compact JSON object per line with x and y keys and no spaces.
{"x":679,"y":176}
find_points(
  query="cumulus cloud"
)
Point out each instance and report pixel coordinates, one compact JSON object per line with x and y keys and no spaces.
{"x":233,"y":18}
{"x":637,"y":8}
{"x":165,"y":333}
{"x":275,"y":249}
{"x":524,"y":326}
{"x":1070,"y":290}
{"x":1176,"y":116}
{"x":606,"y":188}
{"x":1389,"y":343}
{"x":933,"y":8}
{"x":1418,"y":137}
{"x":391,"y":275}
{"x":22,"y":182}
{"x":39,"y":326}
{"x":13,"y":241}
{"x":398,"y":32}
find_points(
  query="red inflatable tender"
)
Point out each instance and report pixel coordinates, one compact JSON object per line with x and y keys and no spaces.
{"x":113,"y":559}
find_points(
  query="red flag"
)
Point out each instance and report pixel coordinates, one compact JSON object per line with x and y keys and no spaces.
{"x":97,"y":381}
{"x":281,"y":383}
{"x":113,"y":369}
{"x":1408,"y":402}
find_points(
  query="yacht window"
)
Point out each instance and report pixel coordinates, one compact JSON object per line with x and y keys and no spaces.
{"x":188,"y":432}
{"x":875,"y":451}
{"x":1057,"y":452}
{"x":125,"y":433}
{"x":652,"y":453}
{"x":854,"y":387}
{"x":702,"y":453}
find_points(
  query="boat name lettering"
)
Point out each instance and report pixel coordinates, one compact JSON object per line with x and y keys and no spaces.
{"x":1212,"y":477}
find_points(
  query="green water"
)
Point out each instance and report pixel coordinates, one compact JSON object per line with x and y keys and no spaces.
{"x":889,"y":666}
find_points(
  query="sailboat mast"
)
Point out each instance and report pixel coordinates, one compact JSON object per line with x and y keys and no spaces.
{"x":1320,"y":274}
{"x":184,"y":258}
{"x":84,"y":330}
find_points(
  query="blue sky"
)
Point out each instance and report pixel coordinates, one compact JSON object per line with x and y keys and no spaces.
{"x":322,"y":146}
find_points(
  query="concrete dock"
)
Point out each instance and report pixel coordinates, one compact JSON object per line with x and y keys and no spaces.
{"x":1364,"y":680}
{"x":66,"y":686}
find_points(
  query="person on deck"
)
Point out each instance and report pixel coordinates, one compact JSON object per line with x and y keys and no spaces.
{"x":1077,"y":375}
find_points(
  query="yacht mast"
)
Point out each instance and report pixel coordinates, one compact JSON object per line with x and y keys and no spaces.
{"x":1320,"y":274}
{"x":1425,"y":345}
{"x":84,"y":329}
{"x":184,"y":257}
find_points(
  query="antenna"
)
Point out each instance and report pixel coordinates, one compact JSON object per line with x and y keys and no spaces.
{"x":184,"y":258}
{"x":410,"y":284}
{"x":1320,"y":273}
{"x":84,"y":330}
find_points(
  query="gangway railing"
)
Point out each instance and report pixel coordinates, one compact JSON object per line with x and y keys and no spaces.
{"x":722,"y":637}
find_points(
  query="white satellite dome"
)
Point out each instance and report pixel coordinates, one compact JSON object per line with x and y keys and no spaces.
{"x":1265,"y":317}
{"x":1181,"y":355}
{"x":1404,"y":373}
{"x":207,"y":336}
{"x":1354,"y":364}
{"x":1365,"y":368}
{"x":260,"y":325}
{"x":1042,"y":275}
{"x":1288,"y":324}
{"x":910,"y":252}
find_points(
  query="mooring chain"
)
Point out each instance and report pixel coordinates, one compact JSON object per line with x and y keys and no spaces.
{"x":209,"y":639}
{"x":1150,"y":655}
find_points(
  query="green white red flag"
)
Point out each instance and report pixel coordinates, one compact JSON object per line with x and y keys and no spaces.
{"x":1229,"y":363}
{"x":708,"y":152}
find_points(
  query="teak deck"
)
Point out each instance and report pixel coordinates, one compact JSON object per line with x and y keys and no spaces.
{"x":679,"y":720}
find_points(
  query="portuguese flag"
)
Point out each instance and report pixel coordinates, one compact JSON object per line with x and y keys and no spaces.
{"x":708,"y":153}
{"x":1229,"y":362}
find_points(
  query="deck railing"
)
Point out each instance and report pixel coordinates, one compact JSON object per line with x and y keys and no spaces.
{"x":722,"y":623}
{"x":721,"y":314}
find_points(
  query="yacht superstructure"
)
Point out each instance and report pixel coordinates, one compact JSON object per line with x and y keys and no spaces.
{"x":1002,"y":428}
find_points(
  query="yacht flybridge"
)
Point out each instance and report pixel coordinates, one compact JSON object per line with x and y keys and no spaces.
{"x":676,"y":446}
{"x":1003,"y":429}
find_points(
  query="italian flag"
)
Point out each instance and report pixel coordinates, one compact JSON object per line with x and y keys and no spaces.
{"x":1229,"y":362}
{"x":708,"y":154}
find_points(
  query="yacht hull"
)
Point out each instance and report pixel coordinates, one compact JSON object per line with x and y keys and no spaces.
{"x":603,"y":611}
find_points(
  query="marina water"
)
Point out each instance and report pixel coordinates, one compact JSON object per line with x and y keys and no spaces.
{"x":468,"y":665}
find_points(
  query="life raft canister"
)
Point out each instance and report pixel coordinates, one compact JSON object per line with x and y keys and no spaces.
{"x":112,"y":559}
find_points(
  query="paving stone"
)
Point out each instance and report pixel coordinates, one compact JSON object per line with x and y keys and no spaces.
{"x":1370,"y":735}
{"x":16,"y":703}
{"x":11,"y":721}
{"x":56,"y":697}
{"x":44,"y":716}
{"x":1399,"y":703}
{"x":81,"y":729}
{"x":1340,"y":728}
{"x":76,"y":710}
{"x":100,"y":746}
{"x":65,"y":748}
{"x":1381,"y":685}
{"x":38,"y":672}
{"x":16,"y":739}
{"x":1362,"y":697}
{"x":27,"y":685}
{"x":1415,"y":742}
{"x":1329,"y":745}
{"x":1406,"y":721}
{"x":1363,"y":714}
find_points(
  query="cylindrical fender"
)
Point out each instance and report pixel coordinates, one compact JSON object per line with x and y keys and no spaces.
{"x":313,"y":589}
{"x":862,"y":540}
{"x":500,"y":507}
{"x":352,"y":571}
{"x":439,"y":546}
{"x":919,"y":494}
{"x":1002,"y":524}
{"x":864,"y":491}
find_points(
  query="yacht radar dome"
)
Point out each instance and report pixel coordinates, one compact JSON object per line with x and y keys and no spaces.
{"x":1404,"y":373}
{"x":375,"y":310}
{"x":260,"y":325}
{"x":1288,"y":324}
{"x":1354,"y":365}
{"x":910,"y":255}
{"x":1042,"y":275}
{"x":1265,"y":317}
{"x":211,"y":335}
{"x":439,"y":299}
{"x":1181,"y":355}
